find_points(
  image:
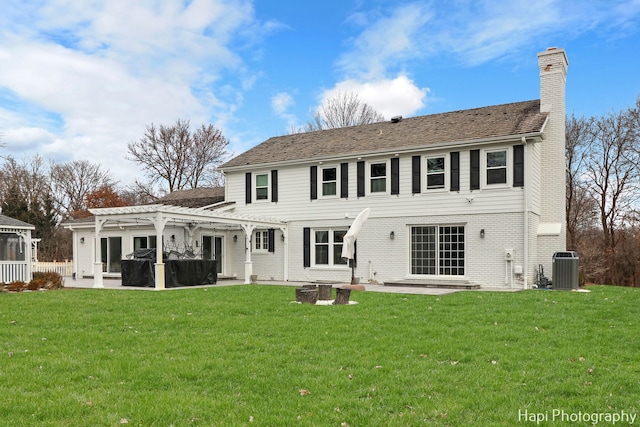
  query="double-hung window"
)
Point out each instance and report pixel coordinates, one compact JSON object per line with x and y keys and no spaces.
{"x":378,"y":177}
{"x":327,"y":244}
{"x":496,"y":167}
{"x":261,"y":241}
{"x":262,"y":186}
{"x":435,"y":172}
{"x":329,"y":181}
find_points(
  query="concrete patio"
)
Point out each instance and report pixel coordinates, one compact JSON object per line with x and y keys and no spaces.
{"x":87,"y":283}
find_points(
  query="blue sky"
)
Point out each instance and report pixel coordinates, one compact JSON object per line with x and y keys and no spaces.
{"x":81,"y":79}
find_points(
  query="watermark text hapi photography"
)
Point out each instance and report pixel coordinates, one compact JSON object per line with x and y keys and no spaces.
{"x":582,"y":417}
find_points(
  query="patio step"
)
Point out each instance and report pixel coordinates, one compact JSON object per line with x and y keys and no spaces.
{"x":433,"y":284}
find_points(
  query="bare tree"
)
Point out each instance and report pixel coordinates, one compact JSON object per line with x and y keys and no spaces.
{"x":28,"y":177}
{"x":177,"y":157}
{"x":611,"y":178}
{"x":139,"y":193}
{"x":341,"y":110}
{"x":580,"y":208}
{"x":612,"y":170}
{"x":72,"y":181}
{"x":25,"y":195}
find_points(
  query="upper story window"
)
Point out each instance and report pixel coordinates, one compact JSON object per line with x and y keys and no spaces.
{"x":378,"y":177}
{"x":496,"y":167}
{"x":436,"y":172}
{"x":329,"y":181}
{"x":262,"y":186}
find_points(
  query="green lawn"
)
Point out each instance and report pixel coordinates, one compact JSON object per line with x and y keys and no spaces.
{"x":246,"y":355}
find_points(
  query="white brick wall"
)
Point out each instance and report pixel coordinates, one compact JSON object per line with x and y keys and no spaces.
{"x":390,"y":259}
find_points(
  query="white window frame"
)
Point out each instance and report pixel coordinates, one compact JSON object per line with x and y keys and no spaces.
{"x":331,"y":248}
{"x":440,"y":266}
{"x":321,"y":181}
{"x":387,"y":177}
{"x":446,"y":173}
{"x":255,"y":186}
{"x":260,"y":241}
{"x":149,"y":237}
{"x":507,"y":167}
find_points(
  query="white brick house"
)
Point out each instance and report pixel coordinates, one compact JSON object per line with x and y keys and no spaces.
{"x":467,"y":197}
{"x":474,"y":196}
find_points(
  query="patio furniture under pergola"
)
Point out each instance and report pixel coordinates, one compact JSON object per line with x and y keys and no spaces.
{"x":191,"y":219}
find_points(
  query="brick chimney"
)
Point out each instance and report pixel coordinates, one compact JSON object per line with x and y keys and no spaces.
{"x":552,"y":221}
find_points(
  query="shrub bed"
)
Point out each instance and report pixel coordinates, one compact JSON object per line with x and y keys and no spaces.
{"x":47,"y":280}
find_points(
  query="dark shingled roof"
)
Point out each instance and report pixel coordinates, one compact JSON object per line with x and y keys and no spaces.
{"x":9,"y":222}
{"x":457,"y":126}
{"x":194,"y":198}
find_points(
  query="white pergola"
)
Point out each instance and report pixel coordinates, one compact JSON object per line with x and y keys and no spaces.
{"x":192,"y":219}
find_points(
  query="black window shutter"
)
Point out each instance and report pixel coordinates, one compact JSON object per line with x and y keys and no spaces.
{"x":314,"y":182}
{"x":274,"y":185}
{"x":306,"y":237}
{"x":247,"y":186}
{"x":518,"y":165}
{"x":475,"y":169}
{"x":272,"y":239}
{"x":344,"y":180}
{"x":395,"y":175}
{"x":415,"y":174}
{"x":455,"y":171}
{"x":360,"y":179}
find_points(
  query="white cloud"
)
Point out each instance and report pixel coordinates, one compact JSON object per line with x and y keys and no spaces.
{"x":103,"y":69}
{"x":281,"y":103}
{"x":473,"y":32}
{"x":390,"y":97}
{"x":386,"y":41}
{"x":26,"y":138}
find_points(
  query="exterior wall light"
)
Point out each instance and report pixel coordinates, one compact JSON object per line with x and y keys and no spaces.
{"x":392,"y":235}
{"x":482,"y":233}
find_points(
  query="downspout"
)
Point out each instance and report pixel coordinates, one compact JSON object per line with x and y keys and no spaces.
{"x":285,"y":236}
{"x":525,"y":215}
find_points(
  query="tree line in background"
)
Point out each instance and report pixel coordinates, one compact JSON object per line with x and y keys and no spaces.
{"x":603,"y":183}
{"x":47,"y":194}
{"x":603,"y":195}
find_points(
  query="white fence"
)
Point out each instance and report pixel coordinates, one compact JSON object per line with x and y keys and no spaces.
{"x":11,"y":271}
{"x":64,"y":268}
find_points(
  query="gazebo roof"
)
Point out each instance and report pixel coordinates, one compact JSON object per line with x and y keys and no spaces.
{"x":12,"y":223}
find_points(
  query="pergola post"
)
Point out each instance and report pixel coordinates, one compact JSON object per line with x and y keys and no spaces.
{"x":97,"y":265}
{"x":248,"y":264}
{"x":159,"y":223}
